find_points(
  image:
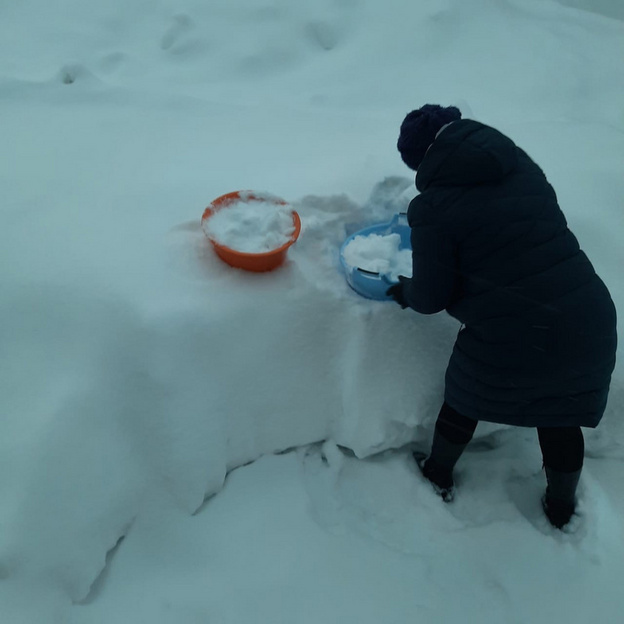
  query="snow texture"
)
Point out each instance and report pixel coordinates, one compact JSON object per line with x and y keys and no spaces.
{"x":379,"y":253}
{"x":251,"y":227}
{"x":151,"y":395}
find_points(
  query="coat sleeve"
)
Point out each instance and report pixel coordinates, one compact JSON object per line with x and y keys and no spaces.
{"x":434,"y":281}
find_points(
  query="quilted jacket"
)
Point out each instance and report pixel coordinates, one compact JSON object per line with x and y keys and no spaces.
{"x":492,"y":247}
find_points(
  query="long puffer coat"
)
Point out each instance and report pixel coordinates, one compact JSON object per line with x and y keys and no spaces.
{"x":492,"y":247}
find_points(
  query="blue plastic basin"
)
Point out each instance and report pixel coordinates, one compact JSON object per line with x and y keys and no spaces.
{"x":367,"y":283}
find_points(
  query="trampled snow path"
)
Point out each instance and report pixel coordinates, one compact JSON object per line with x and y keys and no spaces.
{"x":317,"y":535}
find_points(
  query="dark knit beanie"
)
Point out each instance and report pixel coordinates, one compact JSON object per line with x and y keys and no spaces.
{"x":419,"y":129}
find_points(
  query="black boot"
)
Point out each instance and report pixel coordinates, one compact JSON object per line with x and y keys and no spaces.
{"x":559,"y":502}
{"x":438,"y":467}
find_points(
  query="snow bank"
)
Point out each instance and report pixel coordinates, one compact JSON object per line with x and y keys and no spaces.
{"x":117,"y":407}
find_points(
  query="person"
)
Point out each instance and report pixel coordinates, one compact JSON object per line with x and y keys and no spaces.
{"x":537,"y":343}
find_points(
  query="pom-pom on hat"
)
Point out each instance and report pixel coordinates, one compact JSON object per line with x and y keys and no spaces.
{"x":419,"y":129}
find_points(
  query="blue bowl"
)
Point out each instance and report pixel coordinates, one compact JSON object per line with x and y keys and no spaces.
{"x":367,"y":283}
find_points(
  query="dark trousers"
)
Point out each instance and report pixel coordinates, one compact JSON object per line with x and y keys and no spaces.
{"x":563,"y":448}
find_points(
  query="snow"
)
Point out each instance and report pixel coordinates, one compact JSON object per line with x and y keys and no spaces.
{"x":251,"y":226}
{"x":379,"y":253}
{"x":185,"y":442}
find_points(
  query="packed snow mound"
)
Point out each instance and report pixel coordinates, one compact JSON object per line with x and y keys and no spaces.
{"x":165,"y":401}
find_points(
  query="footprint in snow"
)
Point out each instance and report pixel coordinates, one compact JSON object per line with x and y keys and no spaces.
{"x":74,"y":72}
{"x":322,"y":34}
{"x":176,"y":36}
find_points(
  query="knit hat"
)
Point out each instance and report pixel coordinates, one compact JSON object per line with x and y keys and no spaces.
{"x":419,"y":129}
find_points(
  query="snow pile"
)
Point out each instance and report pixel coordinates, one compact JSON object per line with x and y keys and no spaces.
{"x":139,"y":370}
{"x":379,"y":253}
{"x":251,"y":227}
{"x":153,"y":403}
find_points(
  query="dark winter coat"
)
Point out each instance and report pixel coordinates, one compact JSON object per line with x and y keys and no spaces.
{"x":492,"y":247}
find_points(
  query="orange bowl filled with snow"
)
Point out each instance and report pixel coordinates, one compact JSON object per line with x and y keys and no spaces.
{"x":251,"y":231}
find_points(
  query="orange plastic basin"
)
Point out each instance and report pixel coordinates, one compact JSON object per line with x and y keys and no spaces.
{"x":258,"y":262}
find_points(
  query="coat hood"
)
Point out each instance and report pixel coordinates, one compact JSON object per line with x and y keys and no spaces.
{"x":467,"y":153}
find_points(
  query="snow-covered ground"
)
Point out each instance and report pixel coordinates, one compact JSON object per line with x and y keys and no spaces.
{"x":182,"y":442}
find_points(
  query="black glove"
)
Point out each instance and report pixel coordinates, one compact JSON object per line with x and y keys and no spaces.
{"x":397,"y":293}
